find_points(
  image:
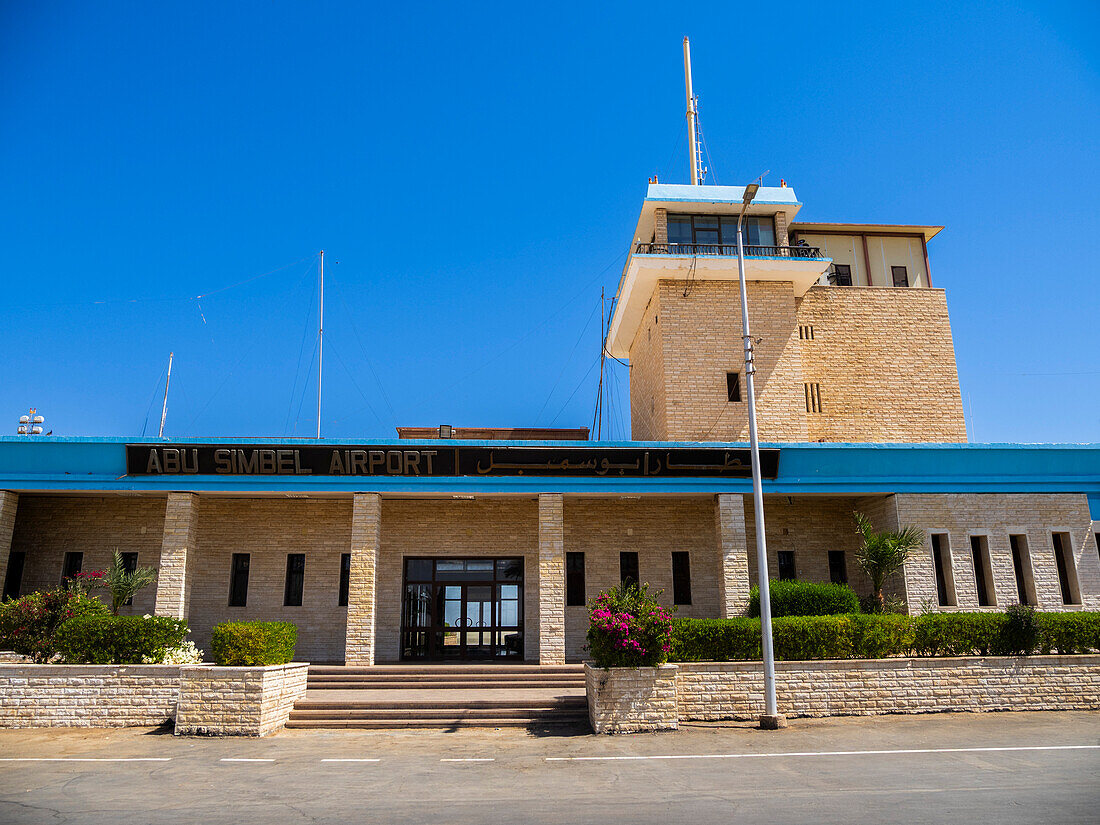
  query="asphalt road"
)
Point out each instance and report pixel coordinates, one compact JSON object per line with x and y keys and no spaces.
{"x":973,"y":768}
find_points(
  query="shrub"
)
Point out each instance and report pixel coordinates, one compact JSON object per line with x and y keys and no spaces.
{"x":28,"y":625}
{"x":251,"y":644}
{"x":185,"y":654}
{"x":795,"y":598}
{"x":719,"y":640}
{"x":119,"y":640}
{"x":628,"y":628}
{"x":878,"y":636}
{"x":1068,"y":632}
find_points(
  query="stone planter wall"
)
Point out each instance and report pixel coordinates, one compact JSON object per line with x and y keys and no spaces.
{"x":631,"y":700}
{"x":238,"y":701}
{"x":854,"y":687}
{"x":87,"y":696}
{"x":622,"y":700}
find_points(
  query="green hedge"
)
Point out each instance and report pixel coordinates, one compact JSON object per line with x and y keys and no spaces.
{"x":795,"y":598}
{"x":28,"y":625}
{"x":118,"y":640}
{"x":859,"y":636}
{"x":254,"y":643}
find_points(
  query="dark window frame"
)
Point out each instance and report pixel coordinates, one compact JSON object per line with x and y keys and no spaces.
{"x":838,"y":278}
{"x":681,"y":577}
{"x":983,"y":570}
{"x":838,"y":567}
{"x":1067,"y":570}
{"x":129,"y":564}
{"x":71,"y":565}
{"x":628,"y":567}
{"x":13,"y":574}
{"x":725,"y":226}
{"x":1021,"y":568}
{"x":239,"y":564}
{"x":575,"y":595}
{"x":295,"y":585}
{"x":943,"y":570}
{"x":733,"y":387}
{"x":904,"y":275}
{"x":345,"y":580}
{"x":785,"y":565}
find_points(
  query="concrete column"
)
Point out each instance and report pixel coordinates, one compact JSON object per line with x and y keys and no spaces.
{"x":8,"y":502}
{"x":366,"y":535}
{"x":551,"y":579}
{"x":733,"y":553}
{"x":177,"y":555}
{"x":660,"y":225}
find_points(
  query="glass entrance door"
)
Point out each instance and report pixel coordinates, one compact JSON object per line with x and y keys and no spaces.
{"x":456,"y":609}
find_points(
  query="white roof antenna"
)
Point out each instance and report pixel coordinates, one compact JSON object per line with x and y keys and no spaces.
{"x":697,"y":170}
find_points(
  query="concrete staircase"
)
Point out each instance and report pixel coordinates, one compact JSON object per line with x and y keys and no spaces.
{"x":441,"y":696}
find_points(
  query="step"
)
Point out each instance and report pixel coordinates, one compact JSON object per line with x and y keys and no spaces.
{"x":452,"y":685}
{"x":440,"y":670}
{"x":449,"y":723}
{"x":570,"y":702}
{"x":380,"y":714}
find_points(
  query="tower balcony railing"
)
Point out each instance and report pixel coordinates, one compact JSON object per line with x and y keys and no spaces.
{"x":751,"y":250}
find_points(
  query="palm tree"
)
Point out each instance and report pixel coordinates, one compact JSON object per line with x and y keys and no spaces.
{"x":123,"y":583}
{"x":881,"y":554}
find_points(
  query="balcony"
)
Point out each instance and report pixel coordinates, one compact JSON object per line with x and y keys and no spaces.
{"x":812,"y":253}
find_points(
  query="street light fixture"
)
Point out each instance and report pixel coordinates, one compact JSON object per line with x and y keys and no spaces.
{"x":772,"y":719}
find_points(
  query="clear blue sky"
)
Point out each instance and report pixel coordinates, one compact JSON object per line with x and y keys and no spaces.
{"x":476,"y":171}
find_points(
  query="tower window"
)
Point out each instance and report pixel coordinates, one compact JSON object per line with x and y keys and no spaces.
{"x":805,"y":332}
{"x":901,"y":275}
{"x":733,"y":386}
{"x":841,"y":275}
{"x":813,"y":398}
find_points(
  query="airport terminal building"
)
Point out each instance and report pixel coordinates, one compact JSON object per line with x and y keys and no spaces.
{"x":485,"y":545}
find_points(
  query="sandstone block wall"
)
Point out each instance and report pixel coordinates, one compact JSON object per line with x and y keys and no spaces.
{"x":268,"y":529}
{"x":87,"y":696}
{"x":996,"y":517}
{"x":653,"y":528}
{"x":631,"y":700}
{"x":551,"y":579}
{"x":238,"y":701}
{"x":362,"y":608}
{"x":883,"y":358}
{"x":734,"y":690}
{"x":46,"y":527}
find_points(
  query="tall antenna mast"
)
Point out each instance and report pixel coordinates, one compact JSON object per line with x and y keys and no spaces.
{"x":320,"y":339}
{"x":697,"y":173}
{"x":164,"y":407}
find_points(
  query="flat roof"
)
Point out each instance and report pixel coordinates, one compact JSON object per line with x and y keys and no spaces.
{"x":927,"y":232}
{"x":98,"y":464}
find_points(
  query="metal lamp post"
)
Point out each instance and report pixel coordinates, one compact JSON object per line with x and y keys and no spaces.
{"x":771,"y":719}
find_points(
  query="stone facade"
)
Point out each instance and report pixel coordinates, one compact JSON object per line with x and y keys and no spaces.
{"x":87,"y":696}
{"x":653,"y":528}
{"x":631,"y":700}
{"x":995,"y":517}
{"x":733,"y":554}
{"x":735,"y":690}
{"x":551,"y":580}
{"x":238,"y":701}
{"x":46,"y":527}
{"x":883,"y":360}
{"x":366,"y":532}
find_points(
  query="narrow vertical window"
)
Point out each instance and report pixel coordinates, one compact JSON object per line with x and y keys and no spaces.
{"x":238,"y":580}
{"x":733,"y":386}
{"x":628,"y":568}
{"x":13,"y":578}
{"x":786,"y":565}
{"x":1021,"y":566}
{"x":681,"y":578}
{"x":813,"y":397}
{"x":1067,"y":571}
{"x":838,"y":567}
{"x":574,"y":579}
{"x":295,"y":579}
{"x":72,"y":565}
{"x":901,"y":275}
{"x":941,"y":563}
{"x":129,"y":564}
{"x":345,"y":579}
{"x":983,"y":572}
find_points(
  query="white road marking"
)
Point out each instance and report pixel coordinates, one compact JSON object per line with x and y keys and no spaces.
{"x":489,"y":759}
{"x":86,"y":759}
{"x":351,"y":760}
{"x":243,"y":759}
{"x":819,"y":753}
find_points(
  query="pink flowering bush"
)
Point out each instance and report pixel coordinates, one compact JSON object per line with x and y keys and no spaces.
{"x":628,"y":628}
{"x":29,"y":625}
